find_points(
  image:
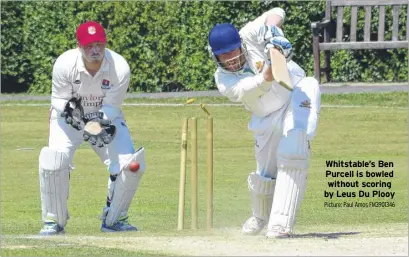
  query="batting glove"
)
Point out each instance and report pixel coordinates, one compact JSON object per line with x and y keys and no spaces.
{"x":282,"y":44}
{"x":266,"y":33}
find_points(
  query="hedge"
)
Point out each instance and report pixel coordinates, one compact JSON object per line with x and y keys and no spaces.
{"x":165,"y":42}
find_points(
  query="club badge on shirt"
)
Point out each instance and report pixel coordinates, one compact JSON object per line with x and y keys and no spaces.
{"x":105,"y":84}
{"x":259,"y":66}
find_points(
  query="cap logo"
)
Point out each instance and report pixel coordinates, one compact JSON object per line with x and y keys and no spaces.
{"x":91,"y":30}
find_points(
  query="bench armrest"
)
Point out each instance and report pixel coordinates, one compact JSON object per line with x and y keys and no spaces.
{"x":317,"y":26}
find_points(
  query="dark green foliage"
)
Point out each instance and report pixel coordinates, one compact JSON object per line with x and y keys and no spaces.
{"x":165,"y":42}
{"x":13,"y":64}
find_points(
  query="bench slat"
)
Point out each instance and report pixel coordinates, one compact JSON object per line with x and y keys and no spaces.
{"x":367,"y":2}
{"x":327,"y":17}
{"x":395,"y":26}
{"x":340,"y":22}
{"x":367,"y":27}
{"x":407,"y":28}
{"x":328,"y":10}
{"x":381,"y":25}
{"x":354,"y":15}
{"x":363,"y":45}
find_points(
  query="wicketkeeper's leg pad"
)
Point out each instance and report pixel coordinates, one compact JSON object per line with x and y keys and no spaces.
{"x":261,"y":192}
{"x":54,"y":173}
{"x":122,"y":189}
{"x":293,"y":161}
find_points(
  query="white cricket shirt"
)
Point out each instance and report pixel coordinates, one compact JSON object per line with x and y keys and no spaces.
{"x":247,"y":85}
{"x":105,"y":91}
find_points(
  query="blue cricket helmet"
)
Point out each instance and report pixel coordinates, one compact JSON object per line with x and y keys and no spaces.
{"x":224,"y":38}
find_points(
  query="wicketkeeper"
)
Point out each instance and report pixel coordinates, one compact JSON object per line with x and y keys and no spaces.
{"x":283,"y":122}
{"x":88,"y":88}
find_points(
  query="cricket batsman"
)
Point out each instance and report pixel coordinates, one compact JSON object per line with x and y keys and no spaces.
{"x":88,"y":88}
{"x":283,"y":122}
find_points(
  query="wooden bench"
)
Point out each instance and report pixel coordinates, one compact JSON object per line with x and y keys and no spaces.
{"x":329,"y":44}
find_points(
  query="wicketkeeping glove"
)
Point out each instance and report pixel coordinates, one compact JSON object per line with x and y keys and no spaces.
{"x":98,"y":131}
{"x":73,"y":113}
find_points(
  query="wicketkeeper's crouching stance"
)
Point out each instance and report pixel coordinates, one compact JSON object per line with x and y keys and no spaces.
{"x":283,"y":122}
{"x":88,"y":88}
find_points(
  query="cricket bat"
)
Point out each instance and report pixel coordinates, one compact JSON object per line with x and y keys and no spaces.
{"x":279,"y":68}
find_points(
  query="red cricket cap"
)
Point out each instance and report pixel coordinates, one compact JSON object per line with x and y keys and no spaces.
{"x":90,"y":32}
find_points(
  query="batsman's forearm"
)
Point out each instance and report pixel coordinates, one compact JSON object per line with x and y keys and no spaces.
{"x":274,"y":20}
{"x":275,"y":17}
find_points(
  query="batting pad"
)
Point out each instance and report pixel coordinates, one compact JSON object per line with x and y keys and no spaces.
{"x":289,"y":192}
{"x":293,"y":161}
{"x":261,"y":192}
{"x":123,"y":189}
{"x":54,"y":173}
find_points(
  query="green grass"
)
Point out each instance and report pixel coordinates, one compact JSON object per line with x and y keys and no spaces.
{"x":390,"y":99}
{"x":35,"y":247}
{"x":343,"y":134}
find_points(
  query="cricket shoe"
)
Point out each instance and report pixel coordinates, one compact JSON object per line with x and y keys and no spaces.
{"x":121,"y":225}
{"x":51,"y":228}
{"x":253,"y":226}
{"x":277,"y":232}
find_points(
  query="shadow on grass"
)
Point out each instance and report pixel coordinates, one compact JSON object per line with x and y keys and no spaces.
{"x":334,"y":235}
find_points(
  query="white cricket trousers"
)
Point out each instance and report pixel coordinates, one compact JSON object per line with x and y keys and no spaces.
{"x":301,"y":112}
{"x":115,"y":155}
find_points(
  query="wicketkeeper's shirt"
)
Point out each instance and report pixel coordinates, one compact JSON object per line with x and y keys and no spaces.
{"x":105,"y":91}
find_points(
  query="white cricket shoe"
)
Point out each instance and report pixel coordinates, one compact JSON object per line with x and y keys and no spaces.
{"x":278,"y":232}
{"x":253,"y":226}
{"x":51,"y":228}
{"x":121,"y":225}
